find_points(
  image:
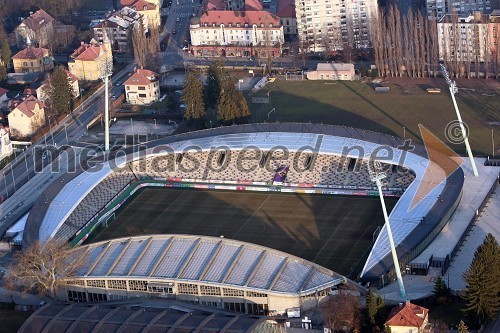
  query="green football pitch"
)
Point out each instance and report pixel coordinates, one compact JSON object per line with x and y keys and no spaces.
{"x":333,"y":231}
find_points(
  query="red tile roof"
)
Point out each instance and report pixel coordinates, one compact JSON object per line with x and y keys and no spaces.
{"x":28,"y":105}
{"x":141,"y":77}
{"x":253,"y":5}
{"x":138,"y":5}
{"x":251,"y":17}
{"x":3,"y":91}
{"x":38,"y":20}
{"x":88,"y":52}
{"x":286,"y":8}
{"x":216,"y":5}
{"x":71,"y":76}
{"x":408,"y":315}
{"x":31,"y":52}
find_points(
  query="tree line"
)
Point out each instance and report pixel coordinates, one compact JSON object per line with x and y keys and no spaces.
{"x":219,"y":94}
{"x":408,"y":45}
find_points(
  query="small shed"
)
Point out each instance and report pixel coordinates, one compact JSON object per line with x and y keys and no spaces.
{"x":332,"y":71}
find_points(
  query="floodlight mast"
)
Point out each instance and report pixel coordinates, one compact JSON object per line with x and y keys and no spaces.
{"x":105,"y":72}
{"x":377,"y":176}
{"x":453,"y":91}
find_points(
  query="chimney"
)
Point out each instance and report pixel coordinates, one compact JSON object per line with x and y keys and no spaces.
{"x":82,"y":43}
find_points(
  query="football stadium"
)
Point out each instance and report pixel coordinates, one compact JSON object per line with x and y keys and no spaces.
{"x":254,"y":218}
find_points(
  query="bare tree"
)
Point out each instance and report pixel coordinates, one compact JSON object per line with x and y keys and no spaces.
{"x":421,"y":43}
{"x":406,"y":34}
{"x":486,"y":51}
{"x":495,"y":53}
{"x":376,"y":41}
{"x":434,"y":44}
{"x":342,"y":310}
{"x":140,"y":44}
{"x":43,"y":268}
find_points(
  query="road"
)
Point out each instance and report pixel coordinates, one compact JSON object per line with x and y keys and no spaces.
{"x":33,"y":159}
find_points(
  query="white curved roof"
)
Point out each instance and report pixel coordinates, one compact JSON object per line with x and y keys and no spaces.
{"x":403,"y":220}
{"x":219,"y":261}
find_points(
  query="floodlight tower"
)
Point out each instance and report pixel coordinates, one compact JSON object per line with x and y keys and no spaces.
{"x":376,"y":175}
{"x":453,"y":91}
{"x":106,"y":71}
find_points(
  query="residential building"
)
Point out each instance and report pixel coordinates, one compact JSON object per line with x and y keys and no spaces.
{"x":494,"y":34}
{"x":232,"y":33}
{"x":147,"y":8}
{"x":285,"y":10}
{"x":38,"y":27}
{"x":439,"y":8}
{"x":3,"y":96}
{"x":26,"y":117}
{"x":89,"y":61}
{"x":466,"y":39}
{"x":328,"y":25}
{"x":237,"y":5}
{"x":73,"y":81}
{"x":32,"y":60}
{"x":408,"y":318}
{"x":332,"y":71}
{"x":5,"y":143}
{"x":118,"y":27}
{"x":142,"y":87}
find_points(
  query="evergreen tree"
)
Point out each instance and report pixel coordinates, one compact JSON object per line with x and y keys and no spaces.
{"x":61,"y":93}
{"x":6,"y":53}
{"x":371,"y":307}
{"x":242,"y":105}
{"x":482,"y":288}
{"x":462,"y":328}
{"x":387,"y":329}
{"x":440,"y":288}
{"x":3,"y":73}
{"x":381,"y":315}
{"x":193,"y":96}
{"x":215,"y":75}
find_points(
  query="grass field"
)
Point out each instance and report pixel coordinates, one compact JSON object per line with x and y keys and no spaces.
{"x":333,"y":231}
{"x":356,"y":104}
{"x":12,"y":320}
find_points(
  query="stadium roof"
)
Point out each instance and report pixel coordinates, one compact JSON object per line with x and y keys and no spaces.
{"x":167,"y":316}
{"x":215,"y":261}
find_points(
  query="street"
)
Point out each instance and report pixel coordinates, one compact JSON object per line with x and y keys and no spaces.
{"x":23,"y":167}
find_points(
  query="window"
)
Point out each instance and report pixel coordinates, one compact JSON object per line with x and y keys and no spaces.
{"x":96,"y":283}
{"x":210,"y":290}
{"x":25,"y":63}
{"x":233,"y":292}
{"x":141,"y":88}
{"x":137,"y":285}
{"x":75,"y":282}
{"x":142,"y":95}
{"x":255,"y":294}
{"x":117,"y":284}
{"x":187,"y":288}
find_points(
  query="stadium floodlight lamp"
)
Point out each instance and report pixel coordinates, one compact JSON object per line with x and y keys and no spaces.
{"x":453,"y":90}
{"x":105,"y":71}
{"x":376,"y":172}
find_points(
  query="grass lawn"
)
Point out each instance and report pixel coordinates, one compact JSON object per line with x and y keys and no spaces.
{"x":333,"y":231}
{"x":356,"y":104}
{"x":12,"y":320}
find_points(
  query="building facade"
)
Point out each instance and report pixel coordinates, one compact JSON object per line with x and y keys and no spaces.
{"x":89,"y":61}
{"x":38,"y":27}
{"x":236,"y":34}
{"x":146,"y":8}
{"x":214,"y":272}
{"x":32,"y":60}
{"x":142,"y":88}
{"x":332,"y":71}
{"x":464,"y":38}
{"x":118,"y":27}
{"x":439,"y":8}
{"x":328,"y":25}
{"x":285,"y":10}
{"x":27,"y":117}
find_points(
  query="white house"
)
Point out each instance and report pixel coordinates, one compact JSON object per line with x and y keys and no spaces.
{"x":408,"y":318}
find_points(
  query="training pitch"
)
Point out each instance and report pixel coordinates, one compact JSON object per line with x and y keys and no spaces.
{"x":333,"y":231}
